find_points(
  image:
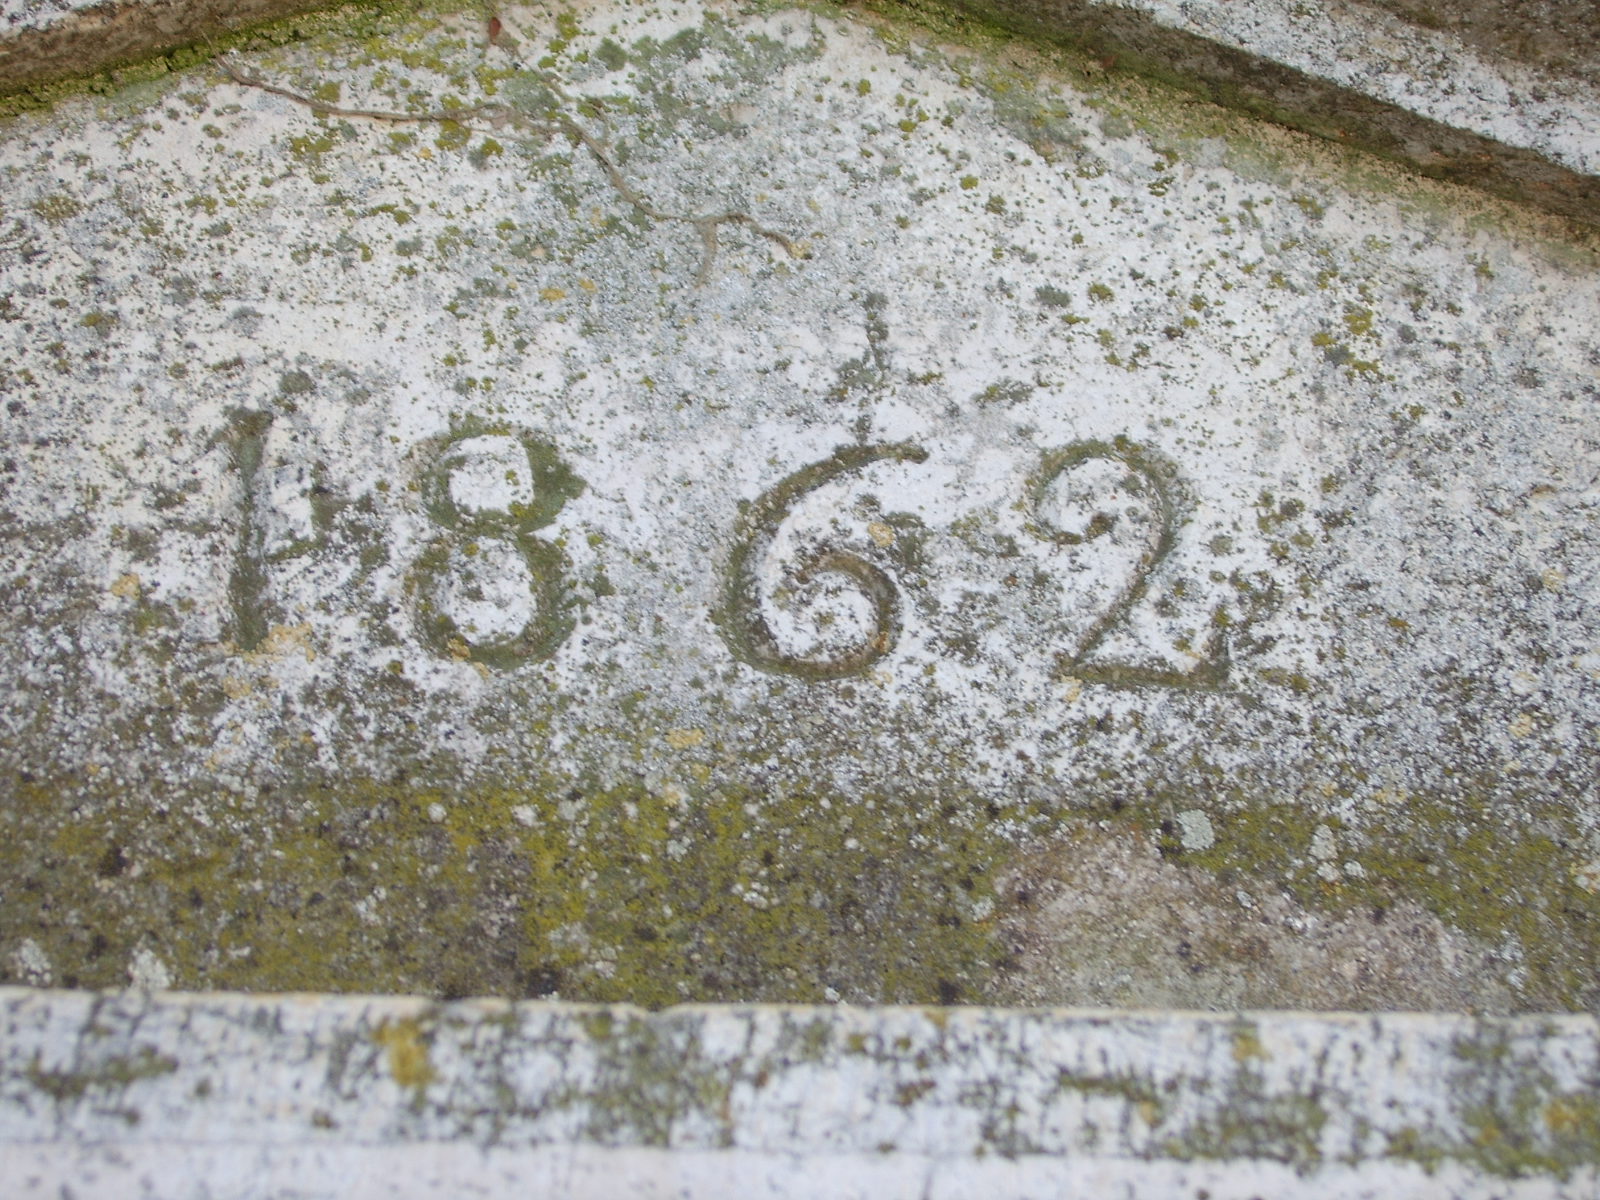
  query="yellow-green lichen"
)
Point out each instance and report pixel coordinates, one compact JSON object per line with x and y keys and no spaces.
{"x":629,"y":893}
{"x":406,"y":1050}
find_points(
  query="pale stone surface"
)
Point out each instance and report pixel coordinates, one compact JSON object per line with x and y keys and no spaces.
{"x":734,"y":515}
{"x":24,"y":15}
{"x":219,"y":1096}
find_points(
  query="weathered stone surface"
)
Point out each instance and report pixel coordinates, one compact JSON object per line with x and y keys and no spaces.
{"x":216,"y":1096}
{"x":686,"y":504}
{"x":1558,"y":36}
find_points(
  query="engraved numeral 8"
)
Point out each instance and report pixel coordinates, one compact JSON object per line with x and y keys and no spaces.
{"x":489,"y":590}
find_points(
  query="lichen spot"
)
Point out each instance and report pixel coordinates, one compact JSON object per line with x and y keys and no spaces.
{"x":1570,"y":1115}
{"x":284,"y":640}
{"x":1247,"y":1044}
{"x":684,"y":739}
{"x":407,"y":1052}
{"x":1195,"y":830}
{"x":1587,"y":876}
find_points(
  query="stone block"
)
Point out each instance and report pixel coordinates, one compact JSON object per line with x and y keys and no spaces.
{"x":702,"y":505}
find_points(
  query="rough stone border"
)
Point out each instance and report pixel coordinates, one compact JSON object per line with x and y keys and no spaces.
{"x":84,"y":37}
{"x":229,"y":1095}
{"x":1352,"y":75}
{"x":1355,"y":75}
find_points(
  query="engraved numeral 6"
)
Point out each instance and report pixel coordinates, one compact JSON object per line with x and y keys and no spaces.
{"x":822,"y":583}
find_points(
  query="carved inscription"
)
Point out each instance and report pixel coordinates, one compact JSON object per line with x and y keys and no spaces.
{"x":747,"y":630}
{"x":489,"y":589}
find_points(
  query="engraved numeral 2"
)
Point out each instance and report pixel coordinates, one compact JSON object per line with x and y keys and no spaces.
{"x":1151,"y":486}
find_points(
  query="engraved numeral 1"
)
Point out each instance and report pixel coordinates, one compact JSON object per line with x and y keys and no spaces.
{"x":284,"y":513}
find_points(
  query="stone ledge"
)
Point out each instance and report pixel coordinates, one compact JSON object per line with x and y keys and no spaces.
{"x":1426,"y":97}
{"x":1469,"y":112}
{"x":1359,"y":52}
{"x":171,"y":1094}
{"x":43,"y":42}
{"x":1356,"y":76}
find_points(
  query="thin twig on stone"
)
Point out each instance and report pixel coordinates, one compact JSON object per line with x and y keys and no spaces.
{"x":499,"y":116}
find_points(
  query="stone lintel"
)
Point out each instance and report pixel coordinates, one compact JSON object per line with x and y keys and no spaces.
{"x":1425,"y":97}
{"x":175,"y":1095}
